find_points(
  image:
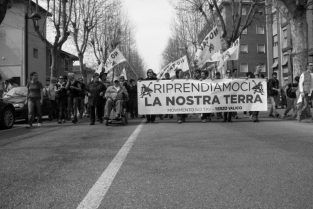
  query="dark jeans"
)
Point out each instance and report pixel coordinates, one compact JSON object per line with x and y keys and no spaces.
{"x":150,"y":118}
{"x":97,"y":108}
{"x":133,"y":108}
{"x":72,"y":106}
{"x":61,"y":102}
{"x":227,"y":116}
{"x":52,"y":109}
{"x":81,"y":105}
{"x":34,"y":108}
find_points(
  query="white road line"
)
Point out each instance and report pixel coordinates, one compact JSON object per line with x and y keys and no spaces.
{"x":98,"y":191}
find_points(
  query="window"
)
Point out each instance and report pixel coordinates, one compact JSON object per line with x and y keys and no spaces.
{"x":35,"y":53}
{"x":260,"y":30}
{"x":244,"y":11}
{"x":261,"y":48}
{"x":244,"y":68}
{"x":244,"y":48}
{"x":285,"y":37}
{"x":245,"y":31}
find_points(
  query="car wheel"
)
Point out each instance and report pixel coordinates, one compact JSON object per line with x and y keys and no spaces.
{"x":7,"y":119}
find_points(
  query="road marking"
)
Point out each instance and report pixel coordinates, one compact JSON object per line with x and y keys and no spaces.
{"x":98,"y":191}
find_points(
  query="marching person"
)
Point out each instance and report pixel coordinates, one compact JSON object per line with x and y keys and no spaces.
{"x":181,"y":118}
{"x":204,"y":116}
{"x":115,"y":96}
{"x":150,"y":76}
{"x":133,"y":99}
{"x":228,"y":115}
{"x":74,"y":92}
{"x":61,"y":99}
{"x":273,"y":92}
{"x":291,"y":93}
{"x":96,"y":90}
{"x":34,"y":99}
{"x":305,"y":89}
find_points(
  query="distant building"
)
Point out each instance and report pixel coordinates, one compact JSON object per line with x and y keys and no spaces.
{"x":253,"y":50}
{"x":280,"y":44}
{"x":21,"y":49}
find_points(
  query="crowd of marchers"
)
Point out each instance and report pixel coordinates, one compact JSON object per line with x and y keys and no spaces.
{"x":298,"y":94}
{"x":70,"y":99}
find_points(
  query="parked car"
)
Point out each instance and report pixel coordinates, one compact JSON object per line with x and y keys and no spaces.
{"x":17,"y":97}
{"x":7,"y":117}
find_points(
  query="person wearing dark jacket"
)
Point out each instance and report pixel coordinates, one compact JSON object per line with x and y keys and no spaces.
{"x":273,"y":92}
{"x":96,"y":90}
{"x":133,"y":99}
{"x":150,"y":76}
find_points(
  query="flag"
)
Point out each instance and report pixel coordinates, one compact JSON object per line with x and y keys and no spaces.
{"x":163,"y":71}
{"x":210,"y":45}
{"x":100,"y":67}
{"x":232,"y":53}
{"x":123,"y":73}
{"x":116,"y":57}
{"x":181,"y":63}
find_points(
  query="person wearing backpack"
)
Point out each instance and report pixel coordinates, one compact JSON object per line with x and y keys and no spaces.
{"x":291,"y":89}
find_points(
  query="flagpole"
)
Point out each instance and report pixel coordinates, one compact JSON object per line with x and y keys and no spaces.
{"x":132,"y":68}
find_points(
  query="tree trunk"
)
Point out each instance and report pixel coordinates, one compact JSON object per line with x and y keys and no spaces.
{"x":53,"y":52}
{"x":81,"y":67}
{"x":299,"y":33}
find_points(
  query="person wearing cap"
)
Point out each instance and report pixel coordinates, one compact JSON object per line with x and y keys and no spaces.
{"x":305,"y":89}
{"x":115,"y":96}
{"x":95,"y":91}
{"x":61,"y":98}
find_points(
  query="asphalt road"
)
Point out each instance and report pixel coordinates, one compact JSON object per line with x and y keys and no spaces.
{"x":192,"y":165}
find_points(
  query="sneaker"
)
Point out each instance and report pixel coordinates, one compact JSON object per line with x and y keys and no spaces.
{"x":29,"y":126}
{"x":106,"y":122}
{"x":277,"y":115}
{"x":271,"y":115}
{"x":39,"y":124}
{"x":179,"y":121}
{"x":59,"y":122}
{"x":203,"y":121}
{"x":63,"y":121}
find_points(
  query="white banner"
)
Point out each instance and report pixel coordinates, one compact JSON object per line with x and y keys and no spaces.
{"x":116,"y":57}
{"x":192,"y":96}
{"x":210,"y":45}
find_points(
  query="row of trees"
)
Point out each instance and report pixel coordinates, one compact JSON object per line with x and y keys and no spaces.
{"x":195,"y":18}
{"x":95,"y":24}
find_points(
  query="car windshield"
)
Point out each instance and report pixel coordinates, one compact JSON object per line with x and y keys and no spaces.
{"x":16,"y":92}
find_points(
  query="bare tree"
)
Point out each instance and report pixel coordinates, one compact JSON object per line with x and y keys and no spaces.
{"x":86,"y":14}
{"x":59,"y":12}
{"x":295,"y":11}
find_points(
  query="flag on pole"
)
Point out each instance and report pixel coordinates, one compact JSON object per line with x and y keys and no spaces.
{"x":100,"y":67}
{"x":181,"y":63}
{"x":164,"y":70}
{"x":210,"y":45}
{"x":116,"y":57}
{"x":123,"y":73}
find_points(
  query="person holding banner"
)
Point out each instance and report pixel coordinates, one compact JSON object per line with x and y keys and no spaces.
{"x":180,"y":117}
{"x":204,"y":116}
{"x":150,"y":76}
{"x":228,"y":115}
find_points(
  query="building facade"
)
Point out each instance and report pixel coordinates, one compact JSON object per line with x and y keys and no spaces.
{"x":253,"y":49}
{"x":279,"y":41}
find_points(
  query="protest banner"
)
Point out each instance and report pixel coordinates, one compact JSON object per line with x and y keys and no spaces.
{"x":193,"y":96}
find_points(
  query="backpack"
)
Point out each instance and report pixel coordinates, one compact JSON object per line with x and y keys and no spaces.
{"x":291,"y":91}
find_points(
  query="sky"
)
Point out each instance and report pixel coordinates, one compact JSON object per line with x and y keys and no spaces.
{"x":152,"y":20}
